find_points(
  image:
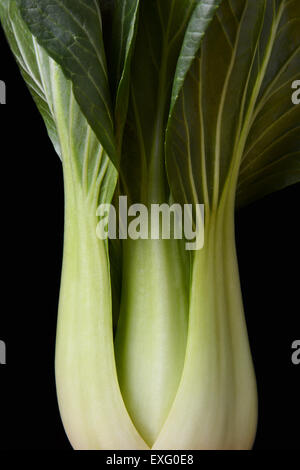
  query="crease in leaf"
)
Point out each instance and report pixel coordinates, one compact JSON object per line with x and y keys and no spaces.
{"x":201,"y":17}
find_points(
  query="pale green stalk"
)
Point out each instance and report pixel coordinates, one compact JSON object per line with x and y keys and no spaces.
{"x":216,"y":403}
{"x":90,"y":402}
{"x":89,"y":397}
{"x":151,"y":335}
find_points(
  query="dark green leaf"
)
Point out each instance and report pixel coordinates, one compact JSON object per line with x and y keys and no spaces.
{"x":125,"y":20}
{"x":24,"y":48}
{"x":271,"y":159}
{"x":159,"y":39}
{"x":198,"y":24}
{"x":71,"y":33}
{"x":68,"y":128}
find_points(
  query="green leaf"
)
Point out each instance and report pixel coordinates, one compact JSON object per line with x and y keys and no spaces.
{"x":234,"y":120}
{"x":159,"y":39}
{"x":125,"y":22}
{"x":71,"y":33}
{"x":24,"y":48}
{"x":198,"y":24}
{"x":271,"y":159}
{"x":72,"y":137}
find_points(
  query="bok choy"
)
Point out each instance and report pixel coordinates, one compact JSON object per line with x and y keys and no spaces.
{"x":164,"y":102}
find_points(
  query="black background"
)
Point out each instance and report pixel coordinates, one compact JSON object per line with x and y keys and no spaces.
{"x":268,"y":247}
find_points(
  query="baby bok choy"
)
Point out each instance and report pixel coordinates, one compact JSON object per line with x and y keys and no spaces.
{"x":161,"y":101}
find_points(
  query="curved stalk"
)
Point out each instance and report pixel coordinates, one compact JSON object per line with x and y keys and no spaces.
{"x":151,"y":334}
{"x":90,"y":402}
{"x":216,"y":403}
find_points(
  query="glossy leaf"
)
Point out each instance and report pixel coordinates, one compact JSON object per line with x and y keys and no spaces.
{"x":71,"y":33}
{"x":23,"y":46}
{"x":88,"y":158}
{"x":159,"y":39}
{"x":198,"y":24}
{"x":125,"y":22}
